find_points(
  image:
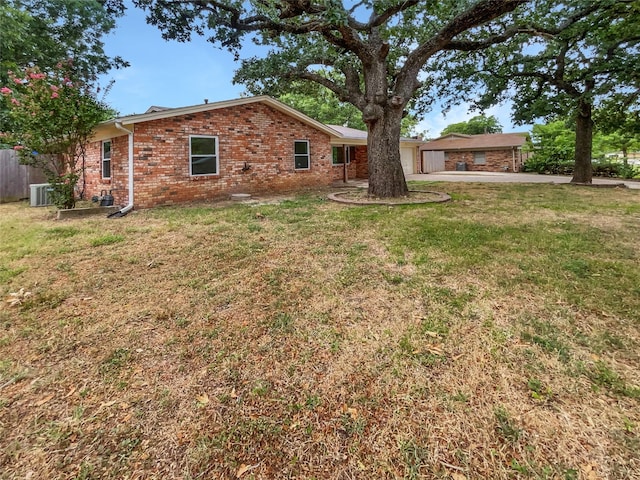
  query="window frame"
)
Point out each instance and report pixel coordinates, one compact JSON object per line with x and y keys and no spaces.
{"x":104,"y":159}
{"x":349,"y":151}
{"x":476,"y":160}
{"x":216,"y":154}
{"x":307,"y":155}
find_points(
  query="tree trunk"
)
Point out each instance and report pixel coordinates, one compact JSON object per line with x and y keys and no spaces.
{"x":582,"y":170}
{"x":386,"y":178}
{"x":382,"y":112}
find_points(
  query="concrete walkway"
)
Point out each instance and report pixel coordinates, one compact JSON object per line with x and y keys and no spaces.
{"x":498,"y":177}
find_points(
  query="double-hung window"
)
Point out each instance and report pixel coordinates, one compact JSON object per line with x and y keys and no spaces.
{"x":105,"y":164}
{"x":203,"y":155}
{"x":301,"y":157}
{"x":479,"y":158}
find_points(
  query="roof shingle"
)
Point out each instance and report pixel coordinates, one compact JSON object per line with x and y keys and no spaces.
{"x":487,"y":141}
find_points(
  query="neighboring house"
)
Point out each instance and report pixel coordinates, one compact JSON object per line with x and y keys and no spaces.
{"x":491,"y":152}
{"x":202,"y":152}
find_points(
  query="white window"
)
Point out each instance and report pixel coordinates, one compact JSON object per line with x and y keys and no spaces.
{"x":301,"y":158}
{"x":203,"y":155}
{"x":479,"y":158}
{"x":343,"y":152}
{"x":105,"y":164}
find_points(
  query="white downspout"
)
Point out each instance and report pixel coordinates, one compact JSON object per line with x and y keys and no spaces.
{"x":129,"y":207}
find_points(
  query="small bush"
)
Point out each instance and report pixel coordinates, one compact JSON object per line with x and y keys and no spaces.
{"x":629,"y":171}
{"x":605,"y":169}
{"x":615,"y":169}
{"x":557,"y":166}
{"x":548,"y":166}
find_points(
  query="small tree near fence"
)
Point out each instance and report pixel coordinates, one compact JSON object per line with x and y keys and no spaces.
{"x":53,"y":118}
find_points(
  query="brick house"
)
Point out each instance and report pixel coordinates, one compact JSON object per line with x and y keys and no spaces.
{"x":249,"y":145}
{"x":491,"y":152}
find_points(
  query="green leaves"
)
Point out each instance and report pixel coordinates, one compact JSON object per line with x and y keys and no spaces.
{"x":45,"y":32}
{"x":475,"y":126}
{"x":564,"y":51}
{"x":325,"y":107}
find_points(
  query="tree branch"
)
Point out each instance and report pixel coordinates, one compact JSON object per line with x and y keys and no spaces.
{"x":534,"y":30}
{"x":470,"y":46}
{"x":480,"y":13}
{"x":342,"y":93}
{"x":381,"y":19}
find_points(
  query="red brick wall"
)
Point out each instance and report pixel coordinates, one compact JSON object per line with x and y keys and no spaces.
{"x":495,"y":161}
{"x":253,"y":133}
{"x":119,"y":182}
{"x":362,"y":162}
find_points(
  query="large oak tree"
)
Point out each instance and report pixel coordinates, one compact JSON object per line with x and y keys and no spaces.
{"x":378,"y":52}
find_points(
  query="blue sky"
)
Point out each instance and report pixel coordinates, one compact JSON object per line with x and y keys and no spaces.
{"x":173,"y":74}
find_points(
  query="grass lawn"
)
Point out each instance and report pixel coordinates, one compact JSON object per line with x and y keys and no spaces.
{"x":492,"y":337}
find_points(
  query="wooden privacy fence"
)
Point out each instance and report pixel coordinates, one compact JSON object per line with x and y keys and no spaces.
{"x":16,"y":178}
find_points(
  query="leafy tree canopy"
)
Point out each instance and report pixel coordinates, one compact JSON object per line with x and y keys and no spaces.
{"x":475,"y":126}
{"x":552,"y":145}
{"x":323,"y":105}
{"x":620,"y":131}
{"x":621,"y":122}
{"x":44,"y":33}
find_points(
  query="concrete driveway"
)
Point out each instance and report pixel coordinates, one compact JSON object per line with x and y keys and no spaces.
{"x":499,"y":177}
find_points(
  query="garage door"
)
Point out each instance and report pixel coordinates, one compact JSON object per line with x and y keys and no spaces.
{"x":406,"y":157}
{"x":432,"y":161}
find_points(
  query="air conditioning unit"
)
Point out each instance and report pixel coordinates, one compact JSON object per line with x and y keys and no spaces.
{"x":40,"y":194}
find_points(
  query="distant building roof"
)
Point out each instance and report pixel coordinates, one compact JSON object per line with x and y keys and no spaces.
{"x":155,"y":108}
{"x":488,"y":141}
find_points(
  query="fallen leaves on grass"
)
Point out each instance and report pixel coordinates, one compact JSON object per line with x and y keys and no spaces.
{"x":589,"y":472}
{"x":44,"y":400}
{"x":17,"y":298}
{"x":202,"y":399}
{"x":352,"y":412}
{"x":245,"y":468}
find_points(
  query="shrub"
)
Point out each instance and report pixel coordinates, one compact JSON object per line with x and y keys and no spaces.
{"x":548,"y":165}
{"x":615,"y":169}
{"x":555,"y":166}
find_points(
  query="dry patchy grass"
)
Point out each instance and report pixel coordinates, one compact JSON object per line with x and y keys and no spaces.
{"x":495,"y":336}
